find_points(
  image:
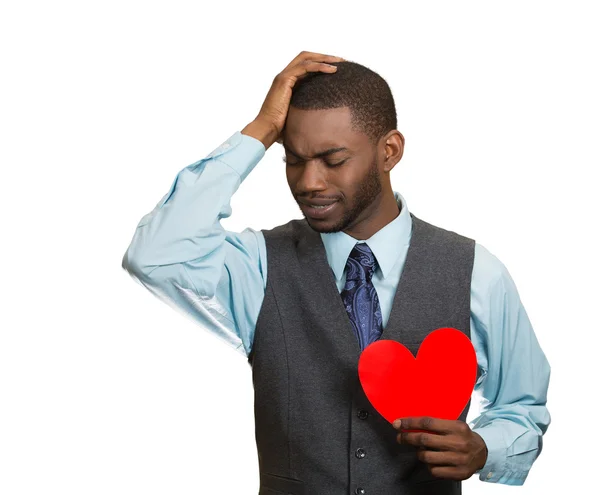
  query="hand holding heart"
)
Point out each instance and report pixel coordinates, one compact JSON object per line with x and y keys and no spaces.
{"x":427,"y":394}
{"x":450,"y":448}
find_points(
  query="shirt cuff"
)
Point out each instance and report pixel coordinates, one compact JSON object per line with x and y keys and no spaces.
{"x":495,"y":469}
{"x":240,"y":152}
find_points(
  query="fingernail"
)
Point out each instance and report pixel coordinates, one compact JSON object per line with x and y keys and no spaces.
{"x":397,"y":423}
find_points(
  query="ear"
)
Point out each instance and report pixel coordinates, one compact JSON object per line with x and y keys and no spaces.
{"x":393,"y":149}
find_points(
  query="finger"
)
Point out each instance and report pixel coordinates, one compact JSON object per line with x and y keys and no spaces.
{"x":319,"y":57}
{"x":430,"y":424}
{"x":426,"y":439}
{"x":443,"y":458}
{"x":301,"y":70}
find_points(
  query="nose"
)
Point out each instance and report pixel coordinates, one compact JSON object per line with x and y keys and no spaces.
{"x":313,"y":177}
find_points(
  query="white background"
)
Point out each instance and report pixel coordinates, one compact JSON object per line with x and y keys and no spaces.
{"x":106,"y":390}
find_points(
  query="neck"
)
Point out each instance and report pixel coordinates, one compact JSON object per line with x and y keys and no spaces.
{"x":381,"y":212}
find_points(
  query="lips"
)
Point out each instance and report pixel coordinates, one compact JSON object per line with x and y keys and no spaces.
{"x":327,"y":206}
{"x":317,"y":202}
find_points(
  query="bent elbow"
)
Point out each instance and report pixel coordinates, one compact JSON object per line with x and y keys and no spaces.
{"x":134,"y":265}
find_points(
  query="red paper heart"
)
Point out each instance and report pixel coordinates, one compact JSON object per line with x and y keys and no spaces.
{"x":438,"y":383}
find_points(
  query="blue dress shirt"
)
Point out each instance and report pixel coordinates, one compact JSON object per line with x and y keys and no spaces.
{"x":182,"y":254}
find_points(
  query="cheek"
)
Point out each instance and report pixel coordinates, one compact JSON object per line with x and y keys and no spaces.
{"x":347,"y":184}
{"x":289,"y":176}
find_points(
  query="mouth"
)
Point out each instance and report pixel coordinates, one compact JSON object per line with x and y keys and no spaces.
{"x":318,"y":211}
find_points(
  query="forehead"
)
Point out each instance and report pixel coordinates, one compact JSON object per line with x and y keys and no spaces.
{"x":312,"y":131}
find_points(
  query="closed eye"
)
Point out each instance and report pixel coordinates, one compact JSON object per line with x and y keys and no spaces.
{"x":331,"y":165}
{"x":288,"y":162}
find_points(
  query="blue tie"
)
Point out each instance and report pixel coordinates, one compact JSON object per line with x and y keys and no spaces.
{"x":360,"y":297}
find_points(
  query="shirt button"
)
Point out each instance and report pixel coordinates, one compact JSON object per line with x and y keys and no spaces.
{"x":226,"y":145}
{"x":363,"y":414}
{"x":489,"y":475}
{"x":360,"y":453}
{"x":360,"y":491}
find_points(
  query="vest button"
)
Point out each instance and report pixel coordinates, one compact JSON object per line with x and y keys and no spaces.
{"x":360,"y":491}
{"x":363,"y":414}
{"x":360,"y":453}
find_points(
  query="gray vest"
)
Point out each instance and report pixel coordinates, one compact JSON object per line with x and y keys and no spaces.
{"x":316,"y":432}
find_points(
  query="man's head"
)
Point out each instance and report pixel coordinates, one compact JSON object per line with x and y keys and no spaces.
{"x":351,"y":111}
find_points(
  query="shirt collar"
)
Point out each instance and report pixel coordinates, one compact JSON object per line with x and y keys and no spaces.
{"x":338,"y":245}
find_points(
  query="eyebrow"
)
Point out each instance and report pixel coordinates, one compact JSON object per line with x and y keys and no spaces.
{"x":328,"y":152}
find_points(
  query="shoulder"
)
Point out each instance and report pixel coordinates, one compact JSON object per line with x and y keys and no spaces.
{"x":435,"y":231}
{"x":446,"y":249}
{"x":491,"y":278}
{"x":290,"y":232}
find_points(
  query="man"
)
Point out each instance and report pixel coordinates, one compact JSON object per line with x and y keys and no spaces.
{"x":301,"y":301}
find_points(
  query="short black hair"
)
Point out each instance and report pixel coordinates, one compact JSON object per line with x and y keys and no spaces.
{"x":353,"y":85}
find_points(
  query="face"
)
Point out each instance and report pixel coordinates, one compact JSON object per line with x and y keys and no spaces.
{"x":332,"y":170}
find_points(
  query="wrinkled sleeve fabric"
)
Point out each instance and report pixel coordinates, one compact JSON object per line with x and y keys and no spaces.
{"x":182,"y":254}
{"x":514,"y":374}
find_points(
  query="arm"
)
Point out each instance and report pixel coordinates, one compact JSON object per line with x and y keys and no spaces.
{"x":506,"y":438}
{"x":516,"y":374}
{"x":181,"y":253}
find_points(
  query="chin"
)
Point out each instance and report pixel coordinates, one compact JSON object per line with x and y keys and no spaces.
{"x":324,"y":226}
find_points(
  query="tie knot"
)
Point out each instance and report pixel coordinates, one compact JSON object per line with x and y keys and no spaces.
{"x":361,"y":263}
